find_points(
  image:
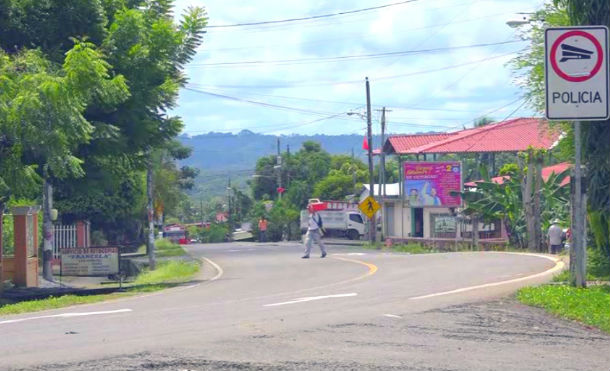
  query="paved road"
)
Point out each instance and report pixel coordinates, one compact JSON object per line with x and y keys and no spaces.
{"x":259,"y":306}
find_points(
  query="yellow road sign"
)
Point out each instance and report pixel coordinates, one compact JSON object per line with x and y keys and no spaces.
{"x":369,"y":206}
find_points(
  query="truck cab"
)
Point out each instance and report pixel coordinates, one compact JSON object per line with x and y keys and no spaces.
{"x":338,"y":223}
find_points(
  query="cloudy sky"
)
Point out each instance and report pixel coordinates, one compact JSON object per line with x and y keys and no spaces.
{"x":436,"y":64}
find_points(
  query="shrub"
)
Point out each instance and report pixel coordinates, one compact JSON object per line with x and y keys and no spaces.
{"x":216,"y":233}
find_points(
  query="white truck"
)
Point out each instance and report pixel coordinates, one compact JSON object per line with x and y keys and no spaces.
{"x":340,"y":223}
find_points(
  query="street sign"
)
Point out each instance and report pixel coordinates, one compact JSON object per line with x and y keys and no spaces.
{"x":369,"y":206}
{"x":576,"y":73}
{"x":90,"y":261}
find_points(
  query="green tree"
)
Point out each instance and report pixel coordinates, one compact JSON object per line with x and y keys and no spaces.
{"x":492,"y":201}
{"x":46,"y":112}
{"x":596,"y":148}
{"x":334,"y":187}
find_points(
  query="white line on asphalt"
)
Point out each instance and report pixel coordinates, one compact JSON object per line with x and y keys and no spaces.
{"x":558,"y":266}
{"x":311,"y":298}
{"x":391,"y":316}
{"x":216,"y":266}
{"x":66,"y":315}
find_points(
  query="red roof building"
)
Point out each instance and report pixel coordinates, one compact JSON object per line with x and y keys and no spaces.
{"x":546,"y":173}
{"x":507,"y":136}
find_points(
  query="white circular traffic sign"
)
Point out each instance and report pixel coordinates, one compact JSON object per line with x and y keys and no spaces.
{"x":576,"y":56}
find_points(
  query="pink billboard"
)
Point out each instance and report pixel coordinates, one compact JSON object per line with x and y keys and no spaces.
{"x":430,"y":184}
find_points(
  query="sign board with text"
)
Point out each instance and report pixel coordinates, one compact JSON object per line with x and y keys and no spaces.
{"x":576,"y":73}
{"x":433,"y":184}
{"x":90,"y":261}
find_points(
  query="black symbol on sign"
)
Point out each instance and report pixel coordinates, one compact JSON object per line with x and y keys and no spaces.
{"x":371,"y":207}
{"x":571,"y":52}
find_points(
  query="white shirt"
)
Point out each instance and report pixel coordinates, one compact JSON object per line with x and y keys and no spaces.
{"x":555,"y":233}
{"x":312,"y":226}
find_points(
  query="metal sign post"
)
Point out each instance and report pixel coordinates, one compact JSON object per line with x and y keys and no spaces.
{"x":576,"y":78}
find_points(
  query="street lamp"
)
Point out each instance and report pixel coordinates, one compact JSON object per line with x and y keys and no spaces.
{"x":519,"y":20}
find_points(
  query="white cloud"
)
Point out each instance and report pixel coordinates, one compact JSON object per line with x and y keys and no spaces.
{"x":327,"y":87}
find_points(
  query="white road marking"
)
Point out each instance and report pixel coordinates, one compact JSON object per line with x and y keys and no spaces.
{"x":311,"y":298}
{"x":558,"y":266}
{"x":391,"y":316}
{"x":216,"y":266}
{"x":66,"y":315}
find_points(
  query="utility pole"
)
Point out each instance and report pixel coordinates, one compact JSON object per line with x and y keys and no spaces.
{"x":382,"y":171}
{"x":150,"y":245}
{"x":369,"y":134}
{"x":279,"y":169}
{"x":229,"y":214}
{"x":47,"y":225}
{"x":201,"y":207}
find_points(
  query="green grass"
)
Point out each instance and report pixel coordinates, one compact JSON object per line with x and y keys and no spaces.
{"x":589,"y":306}
{"x":165,"y":248}
{"x":411,"y":248}
{"x":167,"y":274}
{"x":565,"y":277}
{"x":57,"y":302}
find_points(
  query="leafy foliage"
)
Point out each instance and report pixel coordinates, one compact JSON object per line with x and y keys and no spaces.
{"x":492,"y":201}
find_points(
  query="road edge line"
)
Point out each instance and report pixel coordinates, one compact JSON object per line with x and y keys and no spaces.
{"x":218,"y":268}
{"x":559,"y":265}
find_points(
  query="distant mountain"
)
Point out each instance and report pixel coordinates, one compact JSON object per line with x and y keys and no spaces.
{"x":226,"y":151}
{"x":220,"y":156}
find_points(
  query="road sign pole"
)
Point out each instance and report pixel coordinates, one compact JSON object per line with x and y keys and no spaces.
{"x":577,"y":88}
{"x":578,"y":267}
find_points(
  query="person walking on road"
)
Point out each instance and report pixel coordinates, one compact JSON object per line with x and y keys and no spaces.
{"x":314,"y":227}
{"x":555,"y":235}
{"x":262,"y":228}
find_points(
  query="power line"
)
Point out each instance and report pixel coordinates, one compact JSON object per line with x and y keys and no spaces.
{"x":408,"y":108}
{"x":290,"y":20}
{"x":352,"y":57}
{"x":350,"y":36}
{"x":293,"y":84}
{"x":269,"y":105}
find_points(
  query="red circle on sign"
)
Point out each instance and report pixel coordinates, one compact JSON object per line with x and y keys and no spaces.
{"x":595,"y":69}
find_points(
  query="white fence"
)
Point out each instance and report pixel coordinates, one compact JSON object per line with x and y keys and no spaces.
{"x":65,"y":237}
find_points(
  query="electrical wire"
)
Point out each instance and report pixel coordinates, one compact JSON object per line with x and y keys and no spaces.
{"x":351,"y":36}
{"x":284,"y":97}
{"x":293,"y":84}
{"x":352,"y":57}
{"x":320,"y":16}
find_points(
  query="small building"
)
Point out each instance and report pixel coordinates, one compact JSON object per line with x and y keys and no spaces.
{"x":402,"y":221}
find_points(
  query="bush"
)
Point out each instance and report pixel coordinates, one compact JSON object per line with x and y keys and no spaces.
{"x":598,"y":264}
{"x":165,"y":248}
{"x":216,"y":233}
{"x":98,"y":238}
{"x":7,"y":236}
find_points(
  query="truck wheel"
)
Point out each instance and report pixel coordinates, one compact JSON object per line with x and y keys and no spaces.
{"x":353,"y":234}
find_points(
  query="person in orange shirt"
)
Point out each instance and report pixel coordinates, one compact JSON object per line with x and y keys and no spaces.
{"x":262,"y":228}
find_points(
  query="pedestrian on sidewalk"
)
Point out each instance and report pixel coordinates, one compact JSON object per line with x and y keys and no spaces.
{"x":555,"y":236}
{"x":314,"y":228}
{"x":262,"y":229}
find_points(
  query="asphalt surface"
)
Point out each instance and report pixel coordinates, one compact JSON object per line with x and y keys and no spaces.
{"x":261,"y":307}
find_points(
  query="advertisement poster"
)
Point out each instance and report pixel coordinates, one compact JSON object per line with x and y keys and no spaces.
{"x":430,"y":184}
{"x":94,"y":261}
